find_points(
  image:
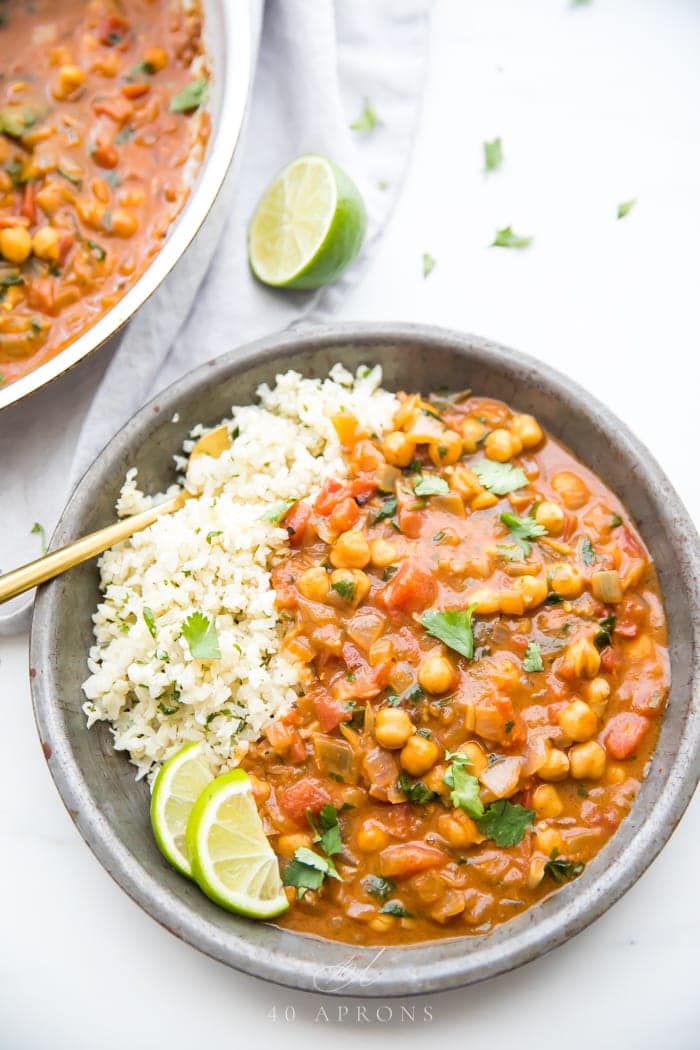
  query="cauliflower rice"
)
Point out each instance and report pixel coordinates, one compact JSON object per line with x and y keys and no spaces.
{"x":214,"y":556}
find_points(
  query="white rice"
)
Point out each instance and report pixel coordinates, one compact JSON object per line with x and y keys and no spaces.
{"x":214,"y":556}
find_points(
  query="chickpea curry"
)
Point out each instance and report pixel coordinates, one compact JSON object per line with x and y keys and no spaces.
{"x":485,"y":650}
{"x":100,"y":135}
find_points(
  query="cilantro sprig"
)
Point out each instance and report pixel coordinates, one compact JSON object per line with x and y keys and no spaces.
{"x":505,"y":822}
{"x":308,"y":870}
{"x":560,"y":869}
{"x":327,"y":830}
{"x":532,"y":660}
{"x":465,"y":786}
{"x":500,"y":478}
{"x":192,"y":96}
{"x":523,"y":530}
{"x":200,"y":634}
{"x":430,"y":485}
{"x":452,"y":628}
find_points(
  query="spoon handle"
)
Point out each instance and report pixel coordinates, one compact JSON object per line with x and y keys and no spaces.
{"x":53,"y":564}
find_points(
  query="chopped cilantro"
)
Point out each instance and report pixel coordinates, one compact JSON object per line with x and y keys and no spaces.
{"x":388,"y":509}
{"x":560,"y":869}
{"x":505,"y":822}
{"x":429,"y":264}
{"x":509,"y":551}
{"x":588,"y":554}
{"x":452,"y":628}
{"x":164,"y":655}
{"x":389,"y":572}
{"x":532,"y":660}
{"x":124,"y":135}
{"x":97,"y":250}
{"x":415,"y":792}
{"x":39,"y":531}
{"x":603,"y":637}
{"x":378,"y":886}
{"x":625,"y":207}
{"x":192,"y":96}
{"x":615,"y":521}
{"x":7,"y":281}
{"x":167,"y":710}
{"x":367,"y":120}
{"x":493,"y":155}
{"x":277,"y":511}
{"x":347,"y":589}
{"x":149,"y":620}
{"x":327,"y":831}
{"x":500,"y":478}
{"x":307,"y":870}
{"x":430,"y":485}
{"x":395,"y":908}
{"x":507,"y":238}
{"x":465,"y":786}
{"x":523,"y":530}
{"x":200,"y":634}
{"x":213,"y":534}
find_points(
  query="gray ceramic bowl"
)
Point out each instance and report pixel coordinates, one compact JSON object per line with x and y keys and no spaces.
{"x":111,"y":810}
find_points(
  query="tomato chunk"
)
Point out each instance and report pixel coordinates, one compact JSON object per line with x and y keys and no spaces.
{"x":624,"y":734}
{"x":411,"y":589}
{"x":305,"y":794}
{"x":330,"y":711}
{"x":408,"y":858}
{"x":295,"y":522}
{"x":344,"y":515}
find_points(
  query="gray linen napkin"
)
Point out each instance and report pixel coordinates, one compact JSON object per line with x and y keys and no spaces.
{"x":318,"y":61}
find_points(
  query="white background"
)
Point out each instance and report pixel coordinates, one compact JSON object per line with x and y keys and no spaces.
{"x":595,"y":105}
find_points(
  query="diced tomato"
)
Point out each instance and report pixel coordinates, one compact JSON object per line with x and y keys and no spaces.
{"x":600,"y":816}
{"x":295,"y":522}
{"x":116,"y":107}
{"x":365,"y":457}
{"x":297,"y":749}
{"x":398,"y":819}
{"x":410,"y":517}
{"x":307,"y":793}
{"x":283,"y":581}
{"x":334,"y":492}
{"x":630,"y":615}
{"x":28,"y":203}
{"x":362,"y":683}
{"x":570,"y":523}
{"x":344,"y":515}
{"x":329,"y":711}
{"x":609,"y":659}
{"x":624,"y":733}
{"x":42,"y":295}
{"x":281,"y":736}
{"x":554,"y":710}
{"x":328,"y":496}
{"x":65,"y":244}
{"x":411,"y":589}
{"x":631,"y":545}
{"x":113,"y":31}
{"x":408,"y":858}
{"x":497,"y":720}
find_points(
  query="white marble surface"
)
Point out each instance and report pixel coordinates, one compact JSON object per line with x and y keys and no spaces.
{"x":595,"y":105}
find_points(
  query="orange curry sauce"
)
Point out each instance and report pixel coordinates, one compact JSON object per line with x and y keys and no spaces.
{"x":95,"y":139}
{"x":465,"y":788}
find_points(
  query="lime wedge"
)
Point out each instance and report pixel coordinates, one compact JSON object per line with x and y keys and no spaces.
{"x":232,"y":861}
{"x":180,"y":782}
{"x":308,"y":227}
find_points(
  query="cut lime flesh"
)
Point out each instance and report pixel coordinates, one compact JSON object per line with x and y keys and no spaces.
{"x":308,"y":227}
{"x":177,"y":787}
{"x":232,"y":860}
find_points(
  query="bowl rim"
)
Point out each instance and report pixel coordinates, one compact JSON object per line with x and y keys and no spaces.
{"x":232,"y":100}
{"x":406,"y":970}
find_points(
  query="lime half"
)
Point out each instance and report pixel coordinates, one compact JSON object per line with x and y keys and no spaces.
{"x":232,"y":861}
{"x":180,"y":782}
{"x":308,"y":227}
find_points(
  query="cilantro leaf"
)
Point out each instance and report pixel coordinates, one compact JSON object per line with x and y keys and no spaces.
{"x":505,"y":822}
{"x":200,"y":634}
{"x":588,"y":554}
{"x":38,"y":530}
{"x":560,"y":869}
{"x":429,"y":264}
{"x":415,"y":792}
{"x":532,"y":660}
{"x":307,"y":871}
{"x":615,"y":521}
{"x":347,"y":589}
{"x":493,"y":155}
{"x":452,"y":628}
{"x":509,"y":551}
{"x":149,"y":620}
{"x":499,"y":478}
{"x":603,"y":638}
{"x":465,"y":786}
{"x":213,"y":534}
{"x":625,"y":207}
{"x":378,"y":886}
{"x":96,"y":250}
{"x":388,"y":509}
{"x":523,"y":530}
{"x":367,"y":120}
{"x":327,"y":833}
{"x":430,"y":485}
{"x":192,"y":96}
{"x":507,"y":238}
{"x":395,"y":908}
{"x":275,"y":514}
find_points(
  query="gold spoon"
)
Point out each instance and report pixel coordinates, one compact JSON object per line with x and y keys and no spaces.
{"x":42,"y":569}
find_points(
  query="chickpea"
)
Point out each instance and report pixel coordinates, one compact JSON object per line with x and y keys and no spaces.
{"x":578,"y":721}
{"x":419,"y":755}
{"x":398,"y":449}
{"x":501,"y":445}
{"x":606,"y":586}
{"x":548,"y":839}
{"x":447,"y":450}
{"x":565,"y":580}
{"x":533,"y":590}
{"x":472,"y":433}
{"x":436,"y":674}
{"x":260,"y":788}
{"x":484,"y":500}
{"x":598,"y":692}
{"x":536,"y":872}
{"x":288,"y":844}
{"x":546,"y":801}
{"x":556,"y":766}
{"x":512,"y":602}
{"x":458,"y":828}
{"x":124,"y":223}
{"x":382,"y":553}
{"x":551,"y":516}
{"x":155,"y":58}
{"x":615,"y":775}
{"x":15,"y":244}
{"x":381,"y":923}
{"x":486,"y":601}
{"x":528,"y":430}
{"x":583,"y":658}
{"x":314,"y":584}
{"x":69,"y":78}
{"x":571,"y":489}
{"x":371,"y":837}
{"x":358,"y":580}
{"x":478,"y":761}
{"x":350,"y":550}
{"x":433,"y":780}
{"x":45,"y":243}
{"x":393,"y":727}
{"x":587,"y":761}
